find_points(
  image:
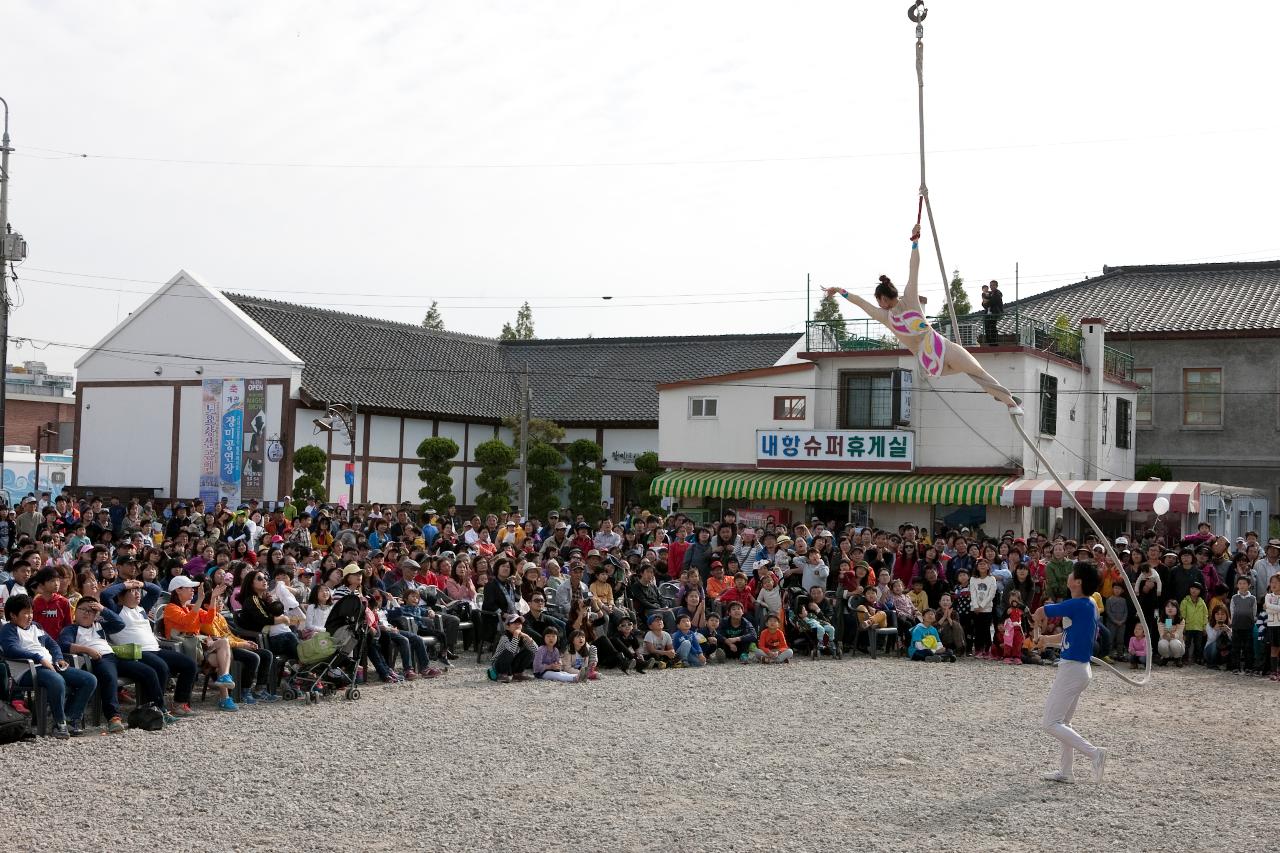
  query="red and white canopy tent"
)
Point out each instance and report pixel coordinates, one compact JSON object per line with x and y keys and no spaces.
{"x":1114,"y":495}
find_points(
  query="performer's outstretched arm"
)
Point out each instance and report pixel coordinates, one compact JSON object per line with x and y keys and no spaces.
{"x":873,"y":310}
{"x":911,"y":295}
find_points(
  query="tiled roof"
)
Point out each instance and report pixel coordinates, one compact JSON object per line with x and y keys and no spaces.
{"x":403,"y":367}
{"x":613,"y":379}
{"x":1168,"y":298}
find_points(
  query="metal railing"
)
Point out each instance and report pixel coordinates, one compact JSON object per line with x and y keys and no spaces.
{"x":1014,"y":329}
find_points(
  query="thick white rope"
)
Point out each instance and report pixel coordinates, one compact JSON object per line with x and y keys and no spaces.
{"x":1111,"y":554}
{"x":1017,"y":424}
{"x":924,"y":194}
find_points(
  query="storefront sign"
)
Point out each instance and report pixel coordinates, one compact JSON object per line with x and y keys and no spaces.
{"x":836,"y":450}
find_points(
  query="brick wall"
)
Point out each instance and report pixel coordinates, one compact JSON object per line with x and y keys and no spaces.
{"x":25,"y":418}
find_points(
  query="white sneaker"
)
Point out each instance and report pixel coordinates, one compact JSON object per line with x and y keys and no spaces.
{"x":1099,"y":764}
{"x":1057,"y":776}
{"x":1016,"y":411}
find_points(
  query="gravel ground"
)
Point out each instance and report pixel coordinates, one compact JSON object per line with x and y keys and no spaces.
{"x":857,"y":754}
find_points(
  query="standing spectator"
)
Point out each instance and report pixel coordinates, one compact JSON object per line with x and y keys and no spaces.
{"x":993,"y":308}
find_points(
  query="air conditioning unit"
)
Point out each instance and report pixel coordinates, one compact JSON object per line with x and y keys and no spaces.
{"x":968,"y":335}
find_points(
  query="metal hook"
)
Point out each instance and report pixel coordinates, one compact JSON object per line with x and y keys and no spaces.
{"x":917,"y":12}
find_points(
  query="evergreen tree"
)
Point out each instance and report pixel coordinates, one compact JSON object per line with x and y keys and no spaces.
{"x":523,"y":329}
{"x":584,"y":479}
{"x":647,"y":468}
{"x":829,"y":312}
{"x":959,"y":299}
{"x":435,"y":470}
{"x":309,"y":462}
{"x":496,"y":459}
{"x":433,"y":320}
{"x":545,"y":480}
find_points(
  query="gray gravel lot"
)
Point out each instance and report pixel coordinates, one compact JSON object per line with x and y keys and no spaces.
{"x":854,"y":754}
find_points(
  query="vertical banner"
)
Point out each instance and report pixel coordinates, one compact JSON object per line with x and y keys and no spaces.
{"x":210,"y":414}
{"x":255,"y":438}
{"x":231,"y":451}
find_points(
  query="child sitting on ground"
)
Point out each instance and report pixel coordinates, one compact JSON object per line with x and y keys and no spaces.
{"x":1138,"y":650}
{"x":688,"y":649}
{"x":580,"y":661}
{"x":926,"y":643}
{"x":772,"y":644}
{"x":712,"y":644}
{"x":629,"y":646}
{"x":546,"y":660}
{"x":658,"y":644}
{"x":817,"y":614}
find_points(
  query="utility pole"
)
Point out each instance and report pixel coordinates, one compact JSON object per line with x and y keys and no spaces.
{"x":524,"y":441}
{"x":5,"y":257}
{"x":351,"y":489}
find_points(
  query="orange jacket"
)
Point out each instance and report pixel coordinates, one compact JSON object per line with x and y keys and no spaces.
{"x":772,"y":640}
{"x":716,"y":585}
{"x":186,"y":620}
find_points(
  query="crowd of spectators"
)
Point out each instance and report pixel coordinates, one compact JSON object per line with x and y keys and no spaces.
{"x":160,"y":593}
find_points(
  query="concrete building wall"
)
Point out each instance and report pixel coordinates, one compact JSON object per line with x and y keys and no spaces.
{"x":1245,"y":449}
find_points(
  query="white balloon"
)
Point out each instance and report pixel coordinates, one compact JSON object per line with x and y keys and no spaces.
{"x":1160,"y":505}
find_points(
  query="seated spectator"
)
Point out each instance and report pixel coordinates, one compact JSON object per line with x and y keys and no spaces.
{"x":132,"y":625}
{"x":772,"y":645}
{"x":816,"y":614}
{"x":688,"y":649}
{"x":738,"y":592}
{"x":1171,"y":647}
{"x":580,"y":660}
{"x":926,"y":642}
{"x":547,"y":663}
{"x":67,"y":690}
{"x":947,"y":621}
{"x":658,"y":644}
{"x":316,"y":612}
{"x":514,"y":653}
{"x":412,"y":649}
{"x":87,"y":636}
{"x":630,"y":647}
{"x":736,"y":634}
{"x":768,"y":600}
{"x":255,"y":662}
{"x":261,"y":611}
{"x":692,"y":605}
{"x":1138,"y":648}
{"x":185,"y":613}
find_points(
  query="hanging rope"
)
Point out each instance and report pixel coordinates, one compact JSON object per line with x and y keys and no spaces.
{"x":917,"y":13}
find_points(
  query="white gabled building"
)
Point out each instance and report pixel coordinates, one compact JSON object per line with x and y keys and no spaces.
{"x":196,"y":379}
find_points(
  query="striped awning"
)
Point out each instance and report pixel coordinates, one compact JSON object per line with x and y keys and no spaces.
{"x":964,"y":489}
{"x":1117,"y":495}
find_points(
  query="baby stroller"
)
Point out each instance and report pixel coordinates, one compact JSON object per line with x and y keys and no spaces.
{"x":329,"y":666}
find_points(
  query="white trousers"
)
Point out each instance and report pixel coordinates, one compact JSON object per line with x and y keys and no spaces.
{"x":1073,"y":679}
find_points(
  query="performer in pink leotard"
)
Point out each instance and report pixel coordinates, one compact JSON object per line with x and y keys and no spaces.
{"x":905,"y":318}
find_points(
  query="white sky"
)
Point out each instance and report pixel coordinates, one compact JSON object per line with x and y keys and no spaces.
{"x":433,"y":144}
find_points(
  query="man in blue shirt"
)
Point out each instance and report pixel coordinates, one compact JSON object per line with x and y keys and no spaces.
{"x":1079,"y":616}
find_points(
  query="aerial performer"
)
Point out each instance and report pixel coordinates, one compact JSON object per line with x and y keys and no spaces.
{"x":904,"y":316}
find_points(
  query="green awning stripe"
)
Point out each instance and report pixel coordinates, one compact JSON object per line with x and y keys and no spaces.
{"x":864,"y":488}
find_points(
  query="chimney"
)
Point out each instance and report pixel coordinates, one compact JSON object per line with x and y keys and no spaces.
{"x":1093,"y":335}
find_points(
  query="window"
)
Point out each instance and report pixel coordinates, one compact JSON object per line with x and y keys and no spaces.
{"x":1048,"y":404}
{"x":1202,"y":396}
{"x":1142,"y":376}
{"x":702,"y":407}
{"x":788,"y":408}
{"x":867,"y":400}
{"x":1122,"y":424}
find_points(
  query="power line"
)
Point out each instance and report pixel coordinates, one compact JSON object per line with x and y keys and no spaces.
{"x":356,"y":369}
{"x":728,"y":161}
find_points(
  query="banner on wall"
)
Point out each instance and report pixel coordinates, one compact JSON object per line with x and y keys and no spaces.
{"x":255,"y":439}
{"x":231,"y":449}
{"x":210,"y":415}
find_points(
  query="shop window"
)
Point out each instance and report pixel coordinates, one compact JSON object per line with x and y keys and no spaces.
{"x":867,"y":400}
{"x":789,"y":408}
